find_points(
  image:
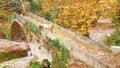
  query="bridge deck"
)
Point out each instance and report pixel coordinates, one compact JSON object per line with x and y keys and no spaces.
{"x":91,"y":55}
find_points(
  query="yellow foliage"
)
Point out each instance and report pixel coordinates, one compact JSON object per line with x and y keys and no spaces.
{"x":77,"y":15}
{"x":81,"y":15}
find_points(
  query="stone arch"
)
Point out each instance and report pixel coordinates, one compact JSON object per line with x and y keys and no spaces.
{"x":17,"y":32}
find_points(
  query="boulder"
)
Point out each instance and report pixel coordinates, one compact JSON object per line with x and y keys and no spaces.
{"x":115,"y":49}
{"x":6,"y":45}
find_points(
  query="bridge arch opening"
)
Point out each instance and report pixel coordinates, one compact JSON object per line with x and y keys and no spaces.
{"x":17,"y":33}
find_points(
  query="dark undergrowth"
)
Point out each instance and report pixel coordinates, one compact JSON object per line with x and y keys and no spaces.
{"x":9,"y":55}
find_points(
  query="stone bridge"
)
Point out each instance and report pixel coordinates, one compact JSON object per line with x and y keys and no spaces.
{"x":81,"y":48}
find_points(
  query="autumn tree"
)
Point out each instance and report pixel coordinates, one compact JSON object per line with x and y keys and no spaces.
{"x":114,"y":39}
{"x":116,"y":14}
{"x":76,"y":15}
{"x":80,"y":16}
{"x":20,"y":6}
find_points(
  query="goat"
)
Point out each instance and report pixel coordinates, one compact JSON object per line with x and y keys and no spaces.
{"x":46,"y":26}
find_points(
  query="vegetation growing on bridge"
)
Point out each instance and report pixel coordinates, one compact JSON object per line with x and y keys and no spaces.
{"x":36,"y":30}
{"x":61,"y":54}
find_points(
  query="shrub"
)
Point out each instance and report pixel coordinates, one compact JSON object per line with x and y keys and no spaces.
{"x":114,"y":39}
{"x":60,"y":56}
{"x":52,"y":14}
{"x":56,"y":43}
{"x":34,"y":65}
{"x":34,"y":7}
{"x":3,"y":16}
{"x":8,"y":34}
{"x":9,"y":55}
